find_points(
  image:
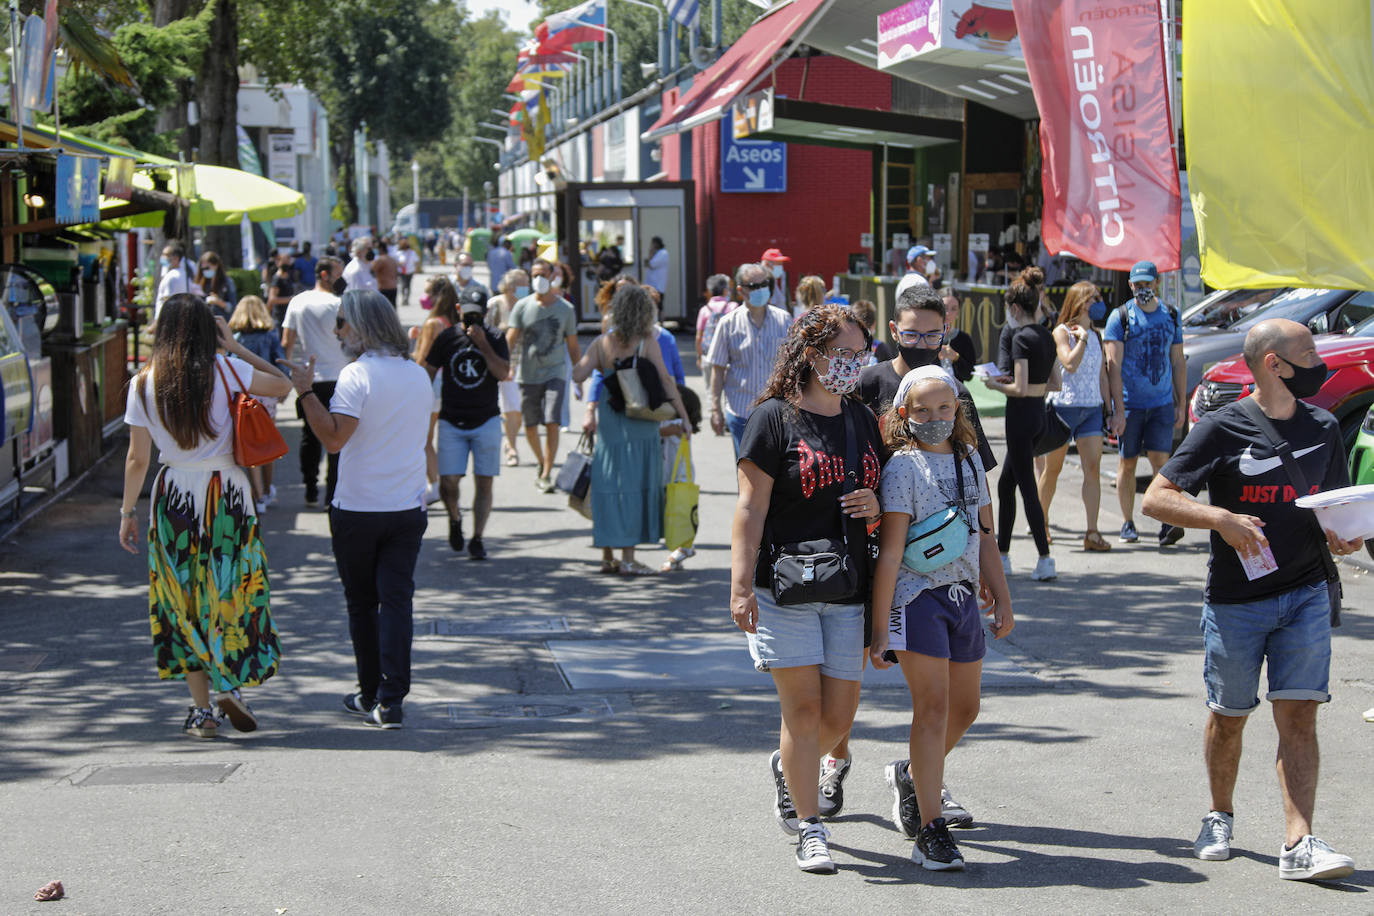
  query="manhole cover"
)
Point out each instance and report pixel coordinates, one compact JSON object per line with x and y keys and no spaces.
{"x":493,"y":713}
{"x":21,"y":661}
{"x":157,"y":774}
{"x":494,"y":626}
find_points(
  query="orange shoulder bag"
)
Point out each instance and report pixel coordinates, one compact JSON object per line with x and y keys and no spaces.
{"x":257,"y":441}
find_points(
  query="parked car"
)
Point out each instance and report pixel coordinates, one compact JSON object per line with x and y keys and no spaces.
{"x":1224,"y":307}
{"x":1323,"y":310}
{"x":1362,"y":453}
{"x":1347,"y":392}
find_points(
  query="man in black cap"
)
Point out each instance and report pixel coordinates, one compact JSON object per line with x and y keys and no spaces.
{"x":471,"y":359}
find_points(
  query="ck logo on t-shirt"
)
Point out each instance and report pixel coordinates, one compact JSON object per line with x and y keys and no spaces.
{"x":467,"y":368}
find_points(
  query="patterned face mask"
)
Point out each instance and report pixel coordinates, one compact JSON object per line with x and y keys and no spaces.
{"x":842,"y":376}
{"x":931,"y":432}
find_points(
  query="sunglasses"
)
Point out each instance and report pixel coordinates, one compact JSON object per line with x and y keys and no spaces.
{"x":761,"y":285}
{"x":339,"y":322}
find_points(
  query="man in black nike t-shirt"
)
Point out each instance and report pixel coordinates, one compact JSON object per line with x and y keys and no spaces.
{"x":1266,"y":597}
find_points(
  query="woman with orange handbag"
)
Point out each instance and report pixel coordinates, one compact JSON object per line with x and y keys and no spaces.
{"x":208,"y":592}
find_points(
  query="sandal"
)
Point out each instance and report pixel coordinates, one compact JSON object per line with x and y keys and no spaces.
{"x":609,"y":567}
{"x":674,"y":561}
{"x":636,"y":568}
{"x":1094,"y":541}
{"x":512,"y":457}
{"x":201,"y":723}
{"x":238,"y":712}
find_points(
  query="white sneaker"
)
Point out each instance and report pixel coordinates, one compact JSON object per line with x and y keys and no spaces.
{"x":1313,"y":860}
{"x":272,"y":495}
{"x":1369,"y":714}
{"x":1044,"y":569}
{"x":955,"y":814}
{"x":261,"y":505}
{"x":1006,"y":565}
{"x":813,"y":848}
{"x":1214,"y":840}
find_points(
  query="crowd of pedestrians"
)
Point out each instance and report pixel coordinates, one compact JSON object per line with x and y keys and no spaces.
{"x":864,"y":530}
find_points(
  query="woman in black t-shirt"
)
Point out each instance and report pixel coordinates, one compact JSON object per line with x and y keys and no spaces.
{"x":1029,"y":369}
{"x":796,"y":484}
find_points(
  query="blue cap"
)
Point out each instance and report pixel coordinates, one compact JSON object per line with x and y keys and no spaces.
{"x":1144,"y":272}
{"x":915,"y":251}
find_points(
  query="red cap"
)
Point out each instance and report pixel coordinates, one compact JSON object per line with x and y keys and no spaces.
{"x":773,"y":254}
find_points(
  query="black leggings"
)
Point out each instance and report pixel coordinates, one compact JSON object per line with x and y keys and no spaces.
{"x":1025,"y":421}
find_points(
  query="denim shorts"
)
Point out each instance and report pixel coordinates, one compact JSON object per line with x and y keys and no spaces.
{"x":941,"y":622}
{"x":829,"y":635}
{"x":1082,"y":421}
{"x":1291,"y":631}
{"x":483,"y":443}
{"x":1149,"y":429}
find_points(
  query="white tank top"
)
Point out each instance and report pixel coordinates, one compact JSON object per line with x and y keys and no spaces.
{"x":1082,"y":387}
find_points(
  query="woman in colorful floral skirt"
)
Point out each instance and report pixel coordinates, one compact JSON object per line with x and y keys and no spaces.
{"x":208,"y":594}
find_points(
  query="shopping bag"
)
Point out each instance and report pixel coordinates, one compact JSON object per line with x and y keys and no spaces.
{"x":582,"y":504}
{"x":575,"y":477}
{"x":680,"y":507}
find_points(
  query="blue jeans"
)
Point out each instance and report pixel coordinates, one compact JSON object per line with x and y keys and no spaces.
{"x":376,"y":554}
{"x":736,"y":425}
{"x":1292,"y":631}
{"x":1148,"y":429}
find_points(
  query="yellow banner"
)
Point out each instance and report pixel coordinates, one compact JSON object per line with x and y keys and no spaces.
{"x":1278,"y":106}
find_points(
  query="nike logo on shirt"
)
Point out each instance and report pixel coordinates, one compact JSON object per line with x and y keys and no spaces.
{"x":1251,"y":466}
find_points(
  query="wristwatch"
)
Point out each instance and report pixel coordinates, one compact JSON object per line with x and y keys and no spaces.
{"x":127,"y":513}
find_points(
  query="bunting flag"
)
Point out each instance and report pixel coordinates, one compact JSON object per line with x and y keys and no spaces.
{"x":584,"y":22}
{"x":685,"y":12}
{"x":1110,"y":178}
{"x":1278,"y":102}
{"x":533,"y":53}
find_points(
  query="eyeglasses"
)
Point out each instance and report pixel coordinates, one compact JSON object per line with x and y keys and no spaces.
{"x":761,"y":285}
{"x":842,"y":352}
{"x":922,"y":338}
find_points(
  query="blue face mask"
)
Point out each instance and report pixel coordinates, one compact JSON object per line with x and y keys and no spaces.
{"x":759,"y":297}
{"x":1098,"y":310}
{"x":521,"y":292}
{"x":165,"y":261}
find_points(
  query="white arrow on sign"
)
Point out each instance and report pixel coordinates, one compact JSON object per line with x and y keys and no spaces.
{"x":754,"y":179}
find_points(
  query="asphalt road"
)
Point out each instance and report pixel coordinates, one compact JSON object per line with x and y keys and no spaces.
{"x":511,"y":791}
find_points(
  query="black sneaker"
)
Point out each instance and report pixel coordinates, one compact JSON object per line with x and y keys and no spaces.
{"x":905,"y":813}
{"x":833,"y":772}
{"x":312,"y":495}
{"x":384,"y":716}
{"x":935,"y":849}
{"x":357,"y":704}
{"x":1169,"y":535}
{"x":783,"y":809}
{"x":455,"y":533}
{"x":475,"y":549}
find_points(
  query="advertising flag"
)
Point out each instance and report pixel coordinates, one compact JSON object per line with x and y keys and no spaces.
{"x":1278,"y":102}
{"x":684,"y":12}
{"x":1110,"y":176}
{"x":584,"y":22}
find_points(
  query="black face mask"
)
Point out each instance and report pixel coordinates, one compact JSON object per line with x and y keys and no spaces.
{"x":340,"y":285}
{"x":917,"y":356}
{"x":1306,"y":380}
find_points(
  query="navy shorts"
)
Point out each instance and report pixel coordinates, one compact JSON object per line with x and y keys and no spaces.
{"x":940,"y":622}
{"x":1149,"y":429}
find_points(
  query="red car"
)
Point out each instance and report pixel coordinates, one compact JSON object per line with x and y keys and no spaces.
{"x":1347,"y":392}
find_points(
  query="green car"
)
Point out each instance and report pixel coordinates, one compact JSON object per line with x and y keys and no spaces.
{"x":1362,"y":452}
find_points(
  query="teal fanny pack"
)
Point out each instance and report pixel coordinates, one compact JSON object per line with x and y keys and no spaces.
{"x":939,"y":538}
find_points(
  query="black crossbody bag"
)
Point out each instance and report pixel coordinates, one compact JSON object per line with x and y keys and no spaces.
{"x":820,"y":570}
{"x":1299,"y":480}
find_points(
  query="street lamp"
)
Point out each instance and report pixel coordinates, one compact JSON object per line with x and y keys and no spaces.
{"x":662,"y":34}
{"x":415,"y":187}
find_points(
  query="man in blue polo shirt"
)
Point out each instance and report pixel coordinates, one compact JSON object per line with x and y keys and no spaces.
{"x":1144,"y":348}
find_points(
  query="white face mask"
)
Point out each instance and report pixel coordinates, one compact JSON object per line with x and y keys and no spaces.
{"x":557,"y":282}
{"x":777,"y":270}
{"x":541,"y":285}
{"x":465,"y":272}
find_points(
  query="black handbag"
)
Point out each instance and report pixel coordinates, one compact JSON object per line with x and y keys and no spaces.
{"x":820,"y":570}
{"x":1280,"y":445}
{"x":1055,"y":433}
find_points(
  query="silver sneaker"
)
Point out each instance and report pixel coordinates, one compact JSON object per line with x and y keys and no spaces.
{"x":813,"y":848}
{"x":955,"y":814}
{"x":1214,"y":840}
{"x":1313,"y":860}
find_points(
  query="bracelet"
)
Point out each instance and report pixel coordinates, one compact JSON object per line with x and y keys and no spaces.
{"x":127,"y":513}
{"x":304,"y":394}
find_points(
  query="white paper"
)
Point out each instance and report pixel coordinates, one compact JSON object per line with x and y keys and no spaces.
{"x":1258,"y":565}
{"x":987,"y":370}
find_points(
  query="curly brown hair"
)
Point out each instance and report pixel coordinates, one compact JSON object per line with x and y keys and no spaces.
{"x":816,"y":328}
{"x":896,"y":435}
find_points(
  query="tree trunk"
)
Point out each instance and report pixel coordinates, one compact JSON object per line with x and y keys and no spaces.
{"x":174,"y":118}
{"x":341,"y":140}
{"x":218,"y":99}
